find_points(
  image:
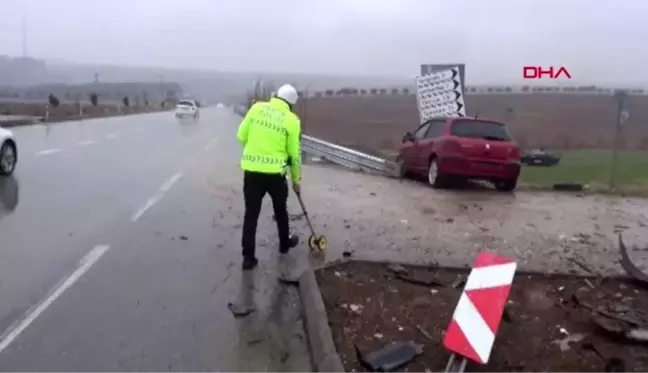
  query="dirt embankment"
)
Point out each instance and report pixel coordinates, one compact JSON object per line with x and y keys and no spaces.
{"x":551,"y":323}
{"x":377,"y":123}
{"x":71,"y":111}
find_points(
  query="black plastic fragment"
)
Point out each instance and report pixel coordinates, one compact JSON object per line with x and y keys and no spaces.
{"x":391,"y":356}
{"x":569,"y":187}
{"x":422,"y":281}
{"x":241,"y":310}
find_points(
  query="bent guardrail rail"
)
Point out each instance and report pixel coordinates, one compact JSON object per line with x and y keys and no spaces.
{"x":345,"y":156}
{"x":341,"y":155}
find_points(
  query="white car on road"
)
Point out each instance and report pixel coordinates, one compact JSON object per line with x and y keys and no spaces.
{"x":8,"y":152}
{"x":187,"y":108}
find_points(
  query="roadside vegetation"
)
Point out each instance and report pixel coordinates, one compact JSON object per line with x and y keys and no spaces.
{"x":592,"y":168}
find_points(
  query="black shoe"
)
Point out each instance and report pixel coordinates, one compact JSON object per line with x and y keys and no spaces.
{"x":249,"y":263}
{"x":293,"y":240}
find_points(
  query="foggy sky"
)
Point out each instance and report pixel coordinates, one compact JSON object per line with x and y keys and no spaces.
{"x":598,"y":41}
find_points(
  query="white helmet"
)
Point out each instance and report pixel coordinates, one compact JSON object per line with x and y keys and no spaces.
{"x":288,"y":93}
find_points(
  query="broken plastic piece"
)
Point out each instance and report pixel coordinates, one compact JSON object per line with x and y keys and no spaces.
{"x":397,"y":268}
{"x":240,"y":310}
{"x":423,"y":281}
{"x":629,"y":266}
{"x":621,"y":330}
{"x":392,"y":356}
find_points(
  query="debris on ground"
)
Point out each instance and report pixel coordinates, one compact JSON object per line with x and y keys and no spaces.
{"x":184,"y":238}
{"x":391,"y":356}
{"x":568,"y":187}
{"x":555,"y":319}
{"x":423,"y":279}
{"x":397,"y":268}
{"x":629,"y":266}
{"x":241,"y":310}
{"x":291,"y":217}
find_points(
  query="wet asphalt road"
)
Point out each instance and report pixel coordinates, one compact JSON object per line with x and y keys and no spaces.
{"x":119,"y":251}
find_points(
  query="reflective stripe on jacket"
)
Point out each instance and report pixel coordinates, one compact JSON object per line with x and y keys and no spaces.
{"x":270,"y":134}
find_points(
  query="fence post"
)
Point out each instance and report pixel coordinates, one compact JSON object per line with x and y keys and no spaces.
{"x":47,"y":112}
{"x":623,"y":113}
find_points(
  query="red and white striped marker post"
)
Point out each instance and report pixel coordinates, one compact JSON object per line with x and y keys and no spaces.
{"x":473,"y":327}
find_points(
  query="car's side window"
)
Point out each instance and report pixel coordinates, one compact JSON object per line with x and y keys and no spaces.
{"x":436,"y":129}
{"x":420,"y":133}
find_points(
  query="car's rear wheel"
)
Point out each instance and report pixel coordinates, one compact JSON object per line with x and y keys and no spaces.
{"x":8,"y":158}
{"x":506,"y":185}
{"x":435,"y":178}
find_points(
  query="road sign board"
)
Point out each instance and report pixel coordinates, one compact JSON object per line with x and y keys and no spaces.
{"x":427,"y":69}
{"x":474,"y":324}
{"x":440,"y":94}
{"x":624,"y":115}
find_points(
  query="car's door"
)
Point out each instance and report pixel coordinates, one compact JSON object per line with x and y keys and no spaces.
{"x":408,"y":148}
{"x":425,"y":145}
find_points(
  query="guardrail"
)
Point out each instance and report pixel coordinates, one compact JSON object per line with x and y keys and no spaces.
{"x":340,"y":155}
{"x":345,"y":157}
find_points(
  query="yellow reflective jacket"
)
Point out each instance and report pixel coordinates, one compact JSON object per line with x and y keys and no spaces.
{"x":270,"y":135}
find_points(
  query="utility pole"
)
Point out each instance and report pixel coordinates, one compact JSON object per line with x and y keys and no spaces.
{"x":162,"y":87}
{"x":24,"y":37}
{"x":623,"y":113}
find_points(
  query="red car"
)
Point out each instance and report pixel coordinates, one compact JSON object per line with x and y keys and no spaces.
{"x":447,"y":149}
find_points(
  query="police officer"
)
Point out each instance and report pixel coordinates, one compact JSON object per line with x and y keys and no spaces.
{"x":270,"y":134}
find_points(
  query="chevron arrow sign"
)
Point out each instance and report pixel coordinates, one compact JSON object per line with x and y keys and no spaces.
{"x":478,"y":314}
{"x":447,"y":109}
{"x":440,"y":94}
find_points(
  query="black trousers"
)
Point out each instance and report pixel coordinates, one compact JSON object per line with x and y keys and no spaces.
{"x":255,"y":187}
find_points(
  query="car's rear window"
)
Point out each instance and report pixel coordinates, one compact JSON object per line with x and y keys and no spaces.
{"x":185,"y":103}
{"x":476,"y":129}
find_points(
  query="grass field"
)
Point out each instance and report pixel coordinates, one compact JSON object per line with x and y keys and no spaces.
{"x":593,"y":168}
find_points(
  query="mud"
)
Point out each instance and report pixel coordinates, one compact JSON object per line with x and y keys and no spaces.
{"x":378,"y":218}
{"x":376,"y":124}
{"x":544,"y":329}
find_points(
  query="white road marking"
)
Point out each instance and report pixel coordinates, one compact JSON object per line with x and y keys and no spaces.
{"x":48,"y":151}
{"x":111,"y":136}
{"x":85,"y":143}
{"x":32,"y":314}
{"x":139,"y":129}
{"x":157,"y":197}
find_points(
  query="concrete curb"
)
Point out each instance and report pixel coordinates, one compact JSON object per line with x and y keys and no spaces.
{"x":324,"y":356}
{"x":520,"y":271}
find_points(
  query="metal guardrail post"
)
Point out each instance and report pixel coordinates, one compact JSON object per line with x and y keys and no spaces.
{"x":345,"y":156}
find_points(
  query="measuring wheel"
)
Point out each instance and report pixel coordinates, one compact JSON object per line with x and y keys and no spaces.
{"x":317,"y":243}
